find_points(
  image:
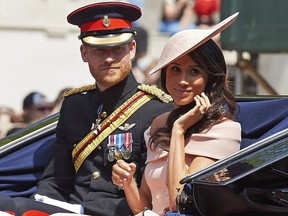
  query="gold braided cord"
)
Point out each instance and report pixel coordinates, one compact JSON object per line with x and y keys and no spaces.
{"x":79,"y":90}
{"x":113,"y":126}
{"x":91,"y":134}
{"x":154,"y":90}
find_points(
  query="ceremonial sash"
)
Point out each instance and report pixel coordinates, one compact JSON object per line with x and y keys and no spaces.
{"x":90,"y":142}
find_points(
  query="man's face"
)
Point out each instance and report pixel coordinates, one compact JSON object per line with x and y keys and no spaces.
{"x":109,"y":65}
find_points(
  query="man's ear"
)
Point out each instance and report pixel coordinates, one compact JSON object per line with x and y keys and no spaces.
{"x":132,"y":47}
{"x":84,"y":54}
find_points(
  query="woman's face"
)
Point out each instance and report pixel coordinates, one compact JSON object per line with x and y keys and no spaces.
{"x":184,"y":80}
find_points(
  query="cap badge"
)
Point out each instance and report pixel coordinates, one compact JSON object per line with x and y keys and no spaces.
{"x":106,"y":21}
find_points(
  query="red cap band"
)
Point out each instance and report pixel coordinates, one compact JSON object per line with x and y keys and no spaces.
{"x":114,"y":23}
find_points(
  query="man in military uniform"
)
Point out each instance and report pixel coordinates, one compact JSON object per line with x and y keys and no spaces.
{"x":99,"y":123}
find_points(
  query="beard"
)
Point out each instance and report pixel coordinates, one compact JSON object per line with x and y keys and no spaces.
{"x":113,"y":76}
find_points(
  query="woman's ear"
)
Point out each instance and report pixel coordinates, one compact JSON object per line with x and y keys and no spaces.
{"x":84,"y":54}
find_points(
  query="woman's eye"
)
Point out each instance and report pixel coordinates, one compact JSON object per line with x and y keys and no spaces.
{"x":195,"y":71}
{"x":175,"y":68}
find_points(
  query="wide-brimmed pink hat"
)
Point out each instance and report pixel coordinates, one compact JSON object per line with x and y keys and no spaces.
{"x":185,"y":41}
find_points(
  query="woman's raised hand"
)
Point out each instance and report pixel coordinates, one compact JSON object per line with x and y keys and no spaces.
{"x":122,"y":173}
{"x":194,"y":115}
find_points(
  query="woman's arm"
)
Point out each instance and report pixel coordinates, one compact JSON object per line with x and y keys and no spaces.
{"x":137,"y":198}
{"x":180,"y":166}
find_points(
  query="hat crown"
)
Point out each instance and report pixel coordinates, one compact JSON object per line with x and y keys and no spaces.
{"x":97,"y":11}
{"x":185,"y":41}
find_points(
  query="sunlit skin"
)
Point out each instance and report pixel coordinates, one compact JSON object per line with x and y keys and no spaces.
{"x":109,"y":65}
{"x":184,"y":80}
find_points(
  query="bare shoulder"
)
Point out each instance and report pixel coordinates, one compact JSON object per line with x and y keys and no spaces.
{"x":159,"y":121}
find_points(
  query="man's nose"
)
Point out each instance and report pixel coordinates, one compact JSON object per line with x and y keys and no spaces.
{"x":110,"y":57}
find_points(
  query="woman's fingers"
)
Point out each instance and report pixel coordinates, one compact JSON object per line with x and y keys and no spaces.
{"x":202,"y":103}
{"x":206,"y":100}
{"x":194,"y":115}
{"x":122,"y":171}
{"x":117,"y":179}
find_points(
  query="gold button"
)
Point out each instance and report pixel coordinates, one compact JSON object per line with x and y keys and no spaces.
{"x":96,"y":175}
{"x":99,"y":147}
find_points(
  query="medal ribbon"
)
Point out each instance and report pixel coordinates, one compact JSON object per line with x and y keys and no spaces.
{"x":121,"y":142}
{"x":120,"y":146}
{"x":89,"y":143}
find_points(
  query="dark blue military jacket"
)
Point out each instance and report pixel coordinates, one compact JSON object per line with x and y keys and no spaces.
{"x":91,"y":186}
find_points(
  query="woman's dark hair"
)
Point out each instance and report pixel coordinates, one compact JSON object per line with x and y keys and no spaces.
{"x":210,"y":58}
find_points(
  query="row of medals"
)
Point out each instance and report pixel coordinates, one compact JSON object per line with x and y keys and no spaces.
{"x":113,"y":154}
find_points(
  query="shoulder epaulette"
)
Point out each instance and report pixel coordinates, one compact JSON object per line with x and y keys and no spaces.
{"x":154,"y":90}
{"x":79,"y":90}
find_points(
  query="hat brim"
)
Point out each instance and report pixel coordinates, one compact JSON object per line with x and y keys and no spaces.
{"x":108,"y":40}
{"x":185,"y":41}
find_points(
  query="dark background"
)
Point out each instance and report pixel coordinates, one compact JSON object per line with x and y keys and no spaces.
{"x":262,"y":26}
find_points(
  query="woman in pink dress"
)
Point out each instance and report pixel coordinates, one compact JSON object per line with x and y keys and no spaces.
{"x":199,"y":131}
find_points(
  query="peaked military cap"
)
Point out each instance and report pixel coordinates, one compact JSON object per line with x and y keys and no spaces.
{"x":105,"y":23}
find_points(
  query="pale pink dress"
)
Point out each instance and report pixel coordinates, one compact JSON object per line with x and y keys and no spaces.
{"x":220,"y":141}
